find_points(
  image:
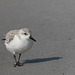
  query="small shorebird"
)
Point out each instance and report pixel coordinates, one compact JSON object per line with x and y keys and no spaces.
{"x":19,"y":41}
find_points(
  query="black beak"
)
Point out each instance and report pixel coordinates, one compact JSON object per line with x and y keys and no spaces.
{"x":32,"y":38}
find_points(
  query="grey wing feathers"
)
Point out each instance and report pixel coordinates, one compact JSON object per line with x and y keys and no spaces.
{"x":10,"y":35}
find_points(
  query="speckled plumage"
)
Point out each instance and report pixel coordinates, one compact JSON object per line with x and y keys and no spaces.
{"x":10,"y":35}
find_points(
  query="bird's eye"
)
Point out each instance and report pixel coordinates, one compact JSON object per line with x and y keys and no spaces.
{"x":25,"y":33}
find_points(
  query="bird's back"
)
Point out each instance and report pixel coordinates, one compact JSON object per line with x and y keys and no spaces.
{"x":10,"y":35}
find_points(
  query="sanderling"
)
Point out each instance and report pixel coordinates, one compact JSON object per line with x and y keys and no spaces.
{"x":19,"y":41}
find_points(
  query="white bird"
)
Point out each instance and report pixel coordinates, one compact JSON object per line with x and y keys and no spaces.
{"x":19,"y":41}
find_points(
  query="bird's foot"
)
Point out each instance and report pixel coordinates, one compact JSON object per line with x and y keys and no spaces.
{"x":18,"y":64}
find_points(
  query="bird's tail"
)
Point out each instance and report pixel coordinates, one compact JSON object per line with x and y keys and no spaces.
{"x":3,"y":39}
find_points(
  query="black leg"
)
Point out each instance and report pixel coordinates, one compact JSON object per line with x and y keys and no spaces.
{"x":18,"y":63}
{"x":15,"y":60}
{"x":19,"y":58}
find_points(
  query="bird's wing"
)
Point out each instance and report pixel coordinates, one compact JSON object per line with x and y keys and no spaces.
{"x":10,"y":35}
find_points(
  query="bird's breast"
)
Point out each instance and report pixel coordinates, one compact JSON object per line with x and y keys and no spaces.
{"x":19,"y":46}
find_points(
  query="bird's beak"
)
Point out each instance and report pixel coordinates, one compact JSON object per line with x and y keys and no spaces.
{"x":32,"y":38}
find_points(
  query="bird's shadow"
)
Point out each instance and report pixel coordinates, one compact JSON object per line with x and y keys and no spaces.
{"x":38,"y":60}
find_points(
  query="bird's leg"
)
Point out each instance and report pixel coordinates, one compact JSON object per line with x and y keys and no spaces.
{"x":19,"y":58}
{"x":18,"y":63}
{"x":15,"y":60}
